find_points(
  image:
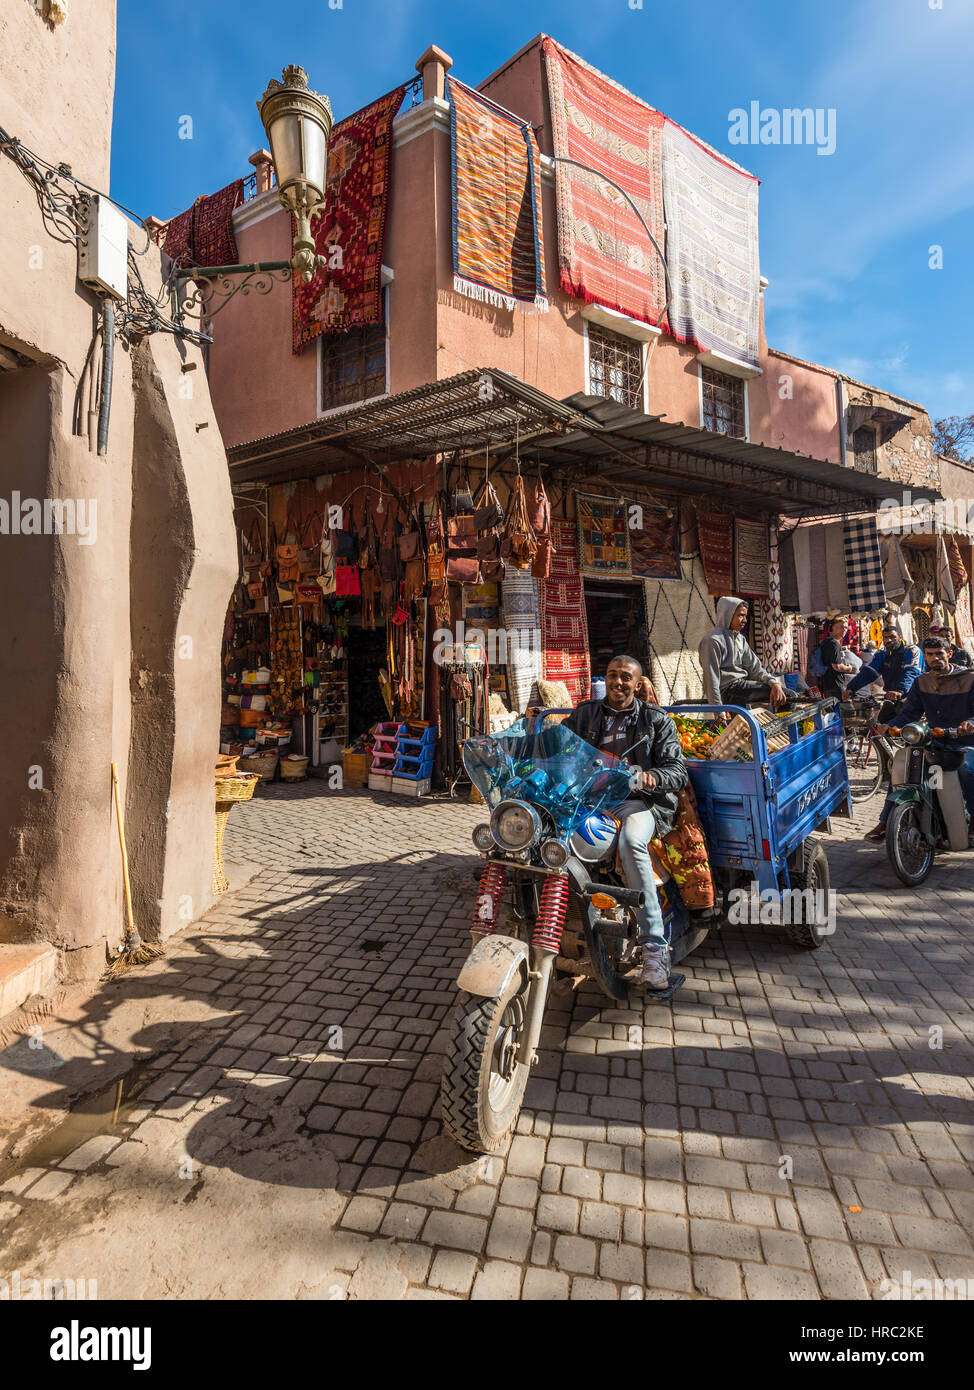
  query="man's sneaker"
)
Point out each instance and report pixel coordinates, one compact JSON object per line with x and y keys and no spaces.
{"x":656,"y":967}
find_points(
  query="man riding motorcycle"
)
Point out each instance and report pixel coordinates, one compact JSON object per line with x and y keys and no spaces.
{"x":944,"y":696}
{"x":897,"y":663}
{"x":615,"y":725}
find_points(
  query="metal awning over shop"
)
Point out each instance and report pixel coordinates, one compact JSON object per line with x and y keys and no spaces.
{"x":461,"y":414}
{"x":651,"y":451}
{"x":589,"y":438}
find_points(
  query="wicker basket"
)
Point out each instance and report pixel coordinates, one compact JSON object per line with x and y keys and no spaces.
{"x":294,"y":768}
{"x":226,"y":764}
{"x":264,"y":764}
{"x":236,"y":787}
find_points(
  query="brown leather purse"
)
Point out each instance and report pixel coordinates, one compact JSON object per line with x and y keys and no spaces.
{"x":519,"y":546}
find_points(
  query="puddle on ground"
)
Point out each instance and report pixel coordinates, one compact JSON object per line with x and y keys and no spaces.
{"x":106,"y":1111}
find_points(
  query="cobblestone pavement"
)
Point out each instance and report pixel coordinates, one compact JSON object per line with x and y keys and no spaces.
{"x":790,"y":1127}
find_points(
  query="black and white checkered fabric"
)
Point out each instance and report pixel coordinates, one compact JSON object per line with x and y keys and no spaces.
{"x":864,"y":565}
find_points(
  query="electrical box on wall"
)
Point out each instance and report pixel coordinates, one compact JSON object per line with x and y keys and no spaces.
{"x":103,"y":249}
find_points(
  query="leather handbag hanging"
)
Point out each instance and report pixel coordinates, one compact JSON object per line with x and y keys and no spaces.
{"x":519,"y":546}
{"x":462,"y":498}
{"x":286,"y":555}
{"x":539,"y":519}
{"x":347,"y":581}
{"x":389,"y":551}
{"x":488,"y":513}
{"x":463,"y":569}
{"x":309,"y":556}
{"x":436,"y":543}
{"x":307,"y":594}
{"x":410,"y":540}
{"x":414,"y":578}
{"x":253,"y":550}
{"x":368,"y":541}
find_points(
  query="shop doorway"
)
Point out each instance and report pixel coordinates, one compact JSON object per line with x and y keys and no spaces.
{"x":366,"y":658}
{"x":615,"y":611}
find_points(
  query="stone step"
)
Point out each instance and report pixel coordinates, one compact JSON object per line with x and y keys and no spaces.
{"x":25,"y":970}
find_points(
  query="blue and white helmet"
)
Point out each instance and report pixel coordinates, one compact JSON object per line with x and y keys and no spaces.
{"x":594,"y":838}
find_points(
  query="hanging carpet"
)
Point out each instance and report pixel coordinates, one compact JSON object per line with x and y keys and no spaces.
{"x":716,"y":532}
{"x":604,"y":255}
{"x":498,"y":252}
{"x":864,"y":565}
{"x":203,"y":234}
{"x":655,"y":545}
{"x":563,"y":621}
{"x":350,"y":230}
{"x":522,"y":619}
{"x":603,"y":536}
{"x":711,"y":248}
{"x":751,"y":558}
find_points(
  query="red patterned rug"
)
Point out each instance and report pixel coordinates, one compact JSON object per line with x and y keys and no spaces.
{"x":353,"y":220}
{"x":203,"y":234}
{"x":603,"y":252}
{"x":716,"y":532}
{"x":563,"y":621}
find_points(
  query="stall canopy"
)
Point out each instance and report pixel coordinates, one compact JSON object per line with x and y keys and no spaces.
{"x":597,"y":438}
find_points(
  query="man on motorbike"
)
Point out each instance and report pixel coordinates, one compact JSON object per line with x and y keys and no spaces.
{"x":898,"y":664}
{"x":944,"y":696}
{"x":615,"y":725}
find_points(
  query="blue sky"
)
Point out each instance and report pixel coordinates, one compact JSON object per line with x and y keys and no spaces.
{"x":845,"y":237}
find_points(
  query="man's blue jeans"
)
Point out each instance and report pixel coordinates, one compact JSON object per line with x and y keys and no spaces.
{"x":638,"y":828}
{"x":965,"y":774}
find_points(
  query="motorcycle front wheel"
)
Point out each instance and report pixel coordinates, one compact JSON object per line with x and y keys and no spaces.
{"x":482,"y":1086}
{"x":910,"y":853}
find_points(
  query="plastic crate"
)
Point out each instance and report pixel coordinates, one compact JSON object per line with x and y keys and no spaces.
{"x":408,"y":786}
{"x":414,"y":768}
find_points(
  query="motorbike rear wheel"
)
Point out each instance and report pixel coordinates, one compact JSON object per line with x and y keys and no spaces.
{"x":482,"y":1086}
{"x":910,"y":853}
{"x":812,"y":876}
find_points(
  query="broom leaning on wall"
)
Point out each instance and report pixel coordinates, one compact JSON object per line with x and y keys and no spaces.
{"x":133,"y":951}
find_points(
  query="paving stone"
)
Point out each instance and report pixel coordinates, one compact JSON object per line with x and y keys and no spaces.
{"x":723,"y":1238}
{"x":771,"y":1282}
{"x":593,"y":1290}
{"x":784,"y":1248}
{"x":526,"y":1157}
{"x":453,"y":1272}
{"x":837,"y":1270}
{"x":510,"y":1233}
{"x":498,"y":1280}
{"x":575,"y":1255}
{"x":558,"y":1213}
{"x":544,"y":1285}
{"x":455,"y":1230}
{"x":717,"y":1278}
{"x":365,"y":1214}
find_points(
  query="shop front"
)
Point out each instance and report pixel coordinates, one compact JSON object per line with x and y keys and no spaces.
{"x":434,"y":564}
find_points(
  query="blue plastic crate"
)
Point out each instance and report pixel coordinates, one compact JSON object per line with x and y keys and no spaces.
{"x":415,"y":769}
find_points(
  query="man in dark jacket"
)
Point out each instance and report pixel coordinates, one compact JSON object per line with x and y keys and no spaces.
{"x":944,"y":697}
{"x":614,"y":725}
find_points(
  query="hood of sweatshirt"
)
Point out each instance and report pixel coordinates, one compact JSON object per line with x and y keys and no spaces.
{"x":726,"y":608}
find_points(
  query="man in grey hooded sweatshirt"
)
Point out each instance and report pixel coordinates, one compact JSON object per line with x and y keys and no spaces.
{"x":732,"y":673}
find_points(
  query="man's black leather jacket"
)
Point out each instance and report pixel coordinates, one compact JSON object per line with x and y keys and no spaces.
{"x":662,"y":755}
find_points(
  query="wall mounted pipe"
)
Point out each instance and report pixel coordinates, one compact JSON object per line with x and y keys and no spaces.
{"x":107,"y":370}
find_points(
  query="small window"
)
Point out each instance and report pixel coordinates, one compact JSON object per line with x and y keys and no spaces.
{"x":353,"y":365}
{"x":615,"y":366}
{"x":723,"y":403}
{"x":864,"y":449}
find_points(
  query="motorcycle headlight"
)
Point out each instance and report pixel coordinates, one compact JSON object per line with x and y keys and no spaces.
{"x":515,"y":825}
{"x":554,"y":854}
{"x":482,"y":837}
{"x":913,"y":734}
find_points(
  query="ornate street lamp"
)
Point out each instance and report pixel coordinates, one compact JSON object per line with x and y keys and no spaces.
{"x":298,"y":123}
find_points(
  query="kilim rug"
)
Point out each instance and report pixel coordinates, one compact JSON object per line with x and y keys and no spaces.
{"x":351,"y":228}
{"x":775,"y":623}
{"x":752,"y":558}
{"x":864,"y":567}
{"x":498,"y":252}
{"x":679,"y":615}
{"x":958,"y":570}
{"x":711,"y":248}
{"x":603,"y":536}
{"x":563,"y":621}
{"x":716,"y":533}
{"x":654,"y":546}
{"x":604,"y":255}
{"x":522,"y":620}
{"x":837,"y":586}
{"x":203,"y":234}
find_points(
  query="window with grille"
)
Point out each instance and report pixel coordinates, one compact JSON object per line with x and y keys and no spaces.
{"x":864,"y":449}
{"x":723,"y":403}
{"x":353,"y":365}
{"x":615,"y":367}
